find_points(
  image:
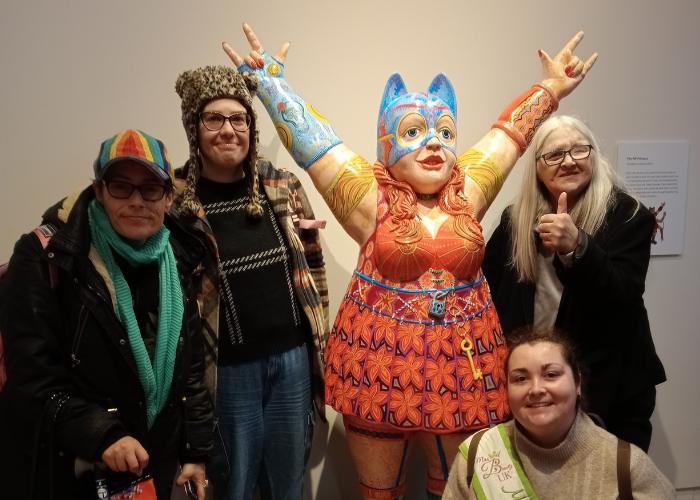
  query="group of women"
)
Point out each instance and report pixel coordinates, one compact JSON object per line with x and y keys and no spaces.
{"x":417,"y":352}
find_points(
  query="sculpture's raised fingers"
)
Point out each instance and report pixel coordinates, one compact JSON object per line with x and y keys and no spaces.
{"x":589,"y":64}
{"x":573,"y":43}
{"x":252,"y":38}
{"x":235,"y":58}
{"x":282,"y":53}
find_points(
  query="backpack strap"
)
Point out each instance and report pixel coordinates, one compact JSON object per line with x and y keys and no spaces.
{"x":624,"y":480}
{"x":44,"y":234}
{"x":471,"y":454}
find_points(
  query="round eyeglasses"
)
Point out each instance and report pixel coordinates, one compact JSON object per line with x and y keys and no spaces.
{"x":580,"y":152}
{"x":122,"y":190}
{"x":213,"y":120}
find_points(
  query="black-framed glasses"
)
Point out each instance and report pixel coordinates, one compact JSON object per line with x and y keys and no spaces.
{"x":123,"y":190}
{"x":579,"y":152}
{"x":213,"y":120}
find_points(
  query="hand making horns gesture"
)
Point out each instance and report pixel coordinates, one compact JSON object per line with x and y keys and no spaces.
{"x":564,"y":73}
{"x":255,"y":58}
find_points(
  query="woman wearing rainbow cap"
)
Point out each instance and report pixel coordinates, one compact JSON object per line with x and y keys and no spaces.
{"x":104,"y":360}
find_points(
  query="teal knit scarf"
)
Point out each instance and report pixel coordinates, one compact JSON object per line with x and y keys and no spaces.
{"x":155,"y":378}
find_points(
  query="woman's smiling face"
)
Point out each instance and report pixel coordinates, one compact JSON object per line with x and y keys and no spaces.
{"x":569,"y":176}
{"x":224,"y":150}
{"x":542,"y":392}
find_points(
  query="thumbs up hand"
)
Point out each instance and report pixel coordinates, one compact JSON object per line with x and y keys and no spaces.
{"x":558,"y":232}
{"x":561,"y":204}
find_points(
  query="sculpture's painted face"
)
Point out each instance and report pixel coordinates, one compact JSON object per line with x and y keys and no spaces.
{"x":409,"y":121}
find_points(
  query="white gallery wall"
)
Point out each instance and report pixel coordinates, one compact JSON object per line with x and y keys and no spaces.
{"x":77,"y":71}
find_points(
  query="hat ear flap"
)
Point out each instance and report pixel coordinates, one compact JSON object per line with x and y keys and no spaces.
{"x":182,"y":82}
{"x":394,"y":88}
{"x":442,"y":87}
{"x":251,"y":82}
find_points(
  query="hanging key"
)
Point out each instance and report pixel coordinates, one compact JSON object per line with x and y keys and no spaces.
{"x":467,"y":348}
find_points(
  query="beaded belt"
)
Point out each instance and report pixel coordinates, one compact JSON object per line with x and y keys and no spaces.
{"x":426,"y":306}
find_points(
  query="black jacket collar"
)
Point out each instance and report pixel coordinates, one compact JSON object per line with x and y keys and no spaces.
{"x":73,"y":236}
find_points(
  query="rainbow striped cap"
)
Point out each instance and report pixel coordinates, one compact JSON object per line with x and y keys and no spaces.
{"x":136,"y":146}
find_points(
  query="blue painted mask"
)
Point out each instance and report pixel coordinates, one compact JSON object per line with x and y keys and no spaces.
{"x":408,"y":121}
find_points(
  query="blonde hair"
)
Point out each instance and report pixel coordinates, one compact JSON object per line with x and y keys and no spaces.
{"x":534,"y":200}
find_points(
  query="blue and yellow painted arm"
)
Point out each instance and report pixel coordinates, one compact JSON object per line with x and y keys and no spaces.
{"x":305,"y":133}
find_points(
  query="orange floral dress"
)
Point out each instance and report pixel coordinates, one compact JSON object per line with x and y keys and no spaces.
{"x":395,"y":355}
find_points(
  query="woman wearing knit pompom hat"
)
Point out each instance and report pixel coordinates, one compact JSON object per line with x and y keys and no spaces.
{"x":196,"y":88}
{"x":267,"y":323}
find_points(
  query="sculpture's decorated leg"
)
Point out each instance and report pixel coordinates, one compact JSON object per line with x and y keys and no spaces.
{"x":379,"y":453}
{"x":440,"y":450}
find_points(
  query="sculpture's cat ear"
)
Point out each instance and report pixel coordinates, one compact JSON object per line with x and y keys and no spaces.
{"x":442,"y":88}
{"x":394,"y":88}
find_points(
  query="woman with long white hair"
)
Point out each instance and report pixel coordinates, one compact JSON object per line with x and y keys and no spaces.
{"x":573,"y":252}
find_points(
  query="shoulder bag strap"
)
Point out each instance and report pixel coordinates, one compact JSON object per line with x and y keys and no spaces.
{"x":624,"y":481}
{"x":471,"y":456}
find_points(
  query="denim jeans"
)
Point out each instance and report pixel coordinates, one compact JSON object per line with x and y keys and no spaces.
{"x":266,"y":416}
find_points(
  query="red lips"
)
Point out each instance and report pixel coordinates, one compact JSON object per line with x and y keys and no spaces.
{"x":432,"y":162}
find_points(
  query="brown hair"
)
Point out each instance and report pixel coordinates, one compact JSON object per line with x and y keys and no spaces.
{"x":531,"y":335}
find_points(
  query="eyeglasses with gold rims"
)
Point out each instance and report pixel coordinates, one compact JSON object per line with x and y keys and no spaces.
{"x":213,"y":120}
{"x":578,"y":152}
{"x":122,"y":190}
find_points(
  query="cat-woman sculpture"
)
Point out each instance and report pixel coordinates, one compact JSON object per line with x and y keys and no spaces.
{"x":416,"y":351}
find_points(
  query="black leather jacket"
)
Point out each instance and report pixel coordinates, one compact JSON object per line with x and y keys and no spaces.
{"x":73,"y":387}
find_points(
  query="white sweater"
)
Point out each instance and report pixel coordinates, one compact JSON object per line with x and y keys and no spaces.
{"x":583,"y":466}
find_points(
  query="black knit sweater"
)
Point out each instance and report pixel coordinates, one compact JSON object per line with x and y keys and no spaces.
{"x":259,"y":312}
